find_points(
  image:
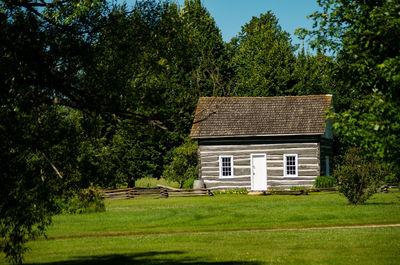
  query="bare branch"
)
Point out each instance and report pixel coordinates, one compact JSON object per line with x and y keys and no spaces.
{"x":52,"y":165}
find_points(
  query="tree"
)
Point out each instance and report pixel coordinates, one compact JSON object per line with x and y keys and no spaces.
{"x":312,"y":74}
{"x":183,"y":165}
{"x":150,"y":66}
{"x":265,"y":63}
{"x":363,"y":36}
{"x":373,"y":124}
{"x":94,"y":93}
{"x":43,"y":47}
{"x":263,"y":58}
{"x":207,"y":52}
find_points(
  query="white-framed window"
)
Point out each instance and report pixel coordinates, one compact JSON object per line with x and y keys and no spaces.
{"x":226,"y":166}
{"x":290,"y":165}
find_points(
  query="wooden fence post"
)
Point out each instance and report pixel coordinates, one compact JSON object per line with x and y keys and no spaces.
{"x":163,"y":193}
{"x":131,"y":194}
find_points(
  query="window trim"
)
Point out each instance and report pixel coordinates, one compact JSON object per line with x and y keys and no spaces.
{"x":220,"y":166}
{"x":285,"y":165}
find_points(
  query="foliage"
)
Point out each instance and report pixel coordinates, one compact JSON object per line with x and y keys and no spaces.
{"x":208,"y":56}
{"x":265,"y":64}
{"x":358,"y":178}
{"x":263,"y":59}
{"x":151,"y":65}
{"x":88,"y":200}
{"x":183,"y":165}
{"x":363,"y":36}
{"x":188,"y":184}
{"x":232,"y":191}
{"x":373,"y":124}
{"x":153,"y":182}
{"x":312,"y":75}
{"x":342,"y":22}
{"x":391,"y":178}
{"x":298,"y":188}
{"x":325,"y":182}
{"x":136,"y":154}
{"x":94,"y":93}
{"x":42,"y":55}
{"x":33,"y":144}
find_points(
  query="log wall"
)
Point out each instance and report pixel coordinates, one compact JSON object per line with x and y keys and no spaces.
{"x":308,"y":164}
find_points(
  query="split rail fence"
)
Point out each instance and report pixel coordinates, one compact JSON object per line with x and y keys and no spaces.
{"x":155,"y":193}
{"x":165,"y":192}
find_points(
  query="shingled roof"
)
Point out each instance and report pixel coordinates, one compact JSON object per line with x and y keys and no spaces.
{"x":260,"y":116}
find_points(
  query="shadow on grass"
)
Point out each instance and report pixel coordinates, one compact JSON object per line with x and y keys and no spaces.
{"x":144,"y":258}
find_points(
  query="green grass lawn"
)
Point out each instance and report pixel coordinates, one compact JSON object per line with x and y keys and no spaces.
{"x":218,"y":230}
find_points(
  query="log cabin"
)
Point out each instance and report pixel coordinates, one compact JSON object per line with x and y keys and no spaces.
{"x":260,"y":143}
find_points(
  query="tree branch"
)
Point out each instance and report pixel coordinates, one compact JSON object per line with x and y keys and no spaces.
{"x":52,"y":165}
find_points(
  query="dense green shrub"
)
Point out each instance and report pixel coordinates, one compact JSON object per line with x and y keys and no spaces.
{"x":183,"y":165}
{"x":358,"y":178}
{"x":325,"y":182}
{"x":188,"y":184}
{"x":391,"y":178}
{"x":83,"y":201}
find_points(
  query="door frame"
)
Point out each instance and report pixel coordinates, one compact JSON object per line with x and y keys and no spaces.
{"x":251,"y":170}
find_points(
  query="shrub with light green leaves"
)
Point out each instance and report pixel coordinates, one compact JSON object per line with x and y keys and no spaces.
{"x":183,"y":165}
{"x":358,"y":178}
{"x":83,"y":201}
{"x":325,"y":182}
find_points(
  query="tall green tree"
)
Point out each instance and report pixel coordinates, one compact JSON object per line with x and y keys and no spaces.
{"x":153,"y":62}
{"x":363,"y":35}
{"x":94,"y":93}
{"x":263,"y":58}
{"x":210,"y":71}
{"x":265,"y":62}
{"x":43,"y":48}
{"x":312,"y":75}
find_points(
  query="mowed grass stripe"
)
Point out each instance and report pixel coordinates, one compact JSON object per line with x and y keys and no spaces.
{"x":329,"y":246}
{"x":224,"y":231}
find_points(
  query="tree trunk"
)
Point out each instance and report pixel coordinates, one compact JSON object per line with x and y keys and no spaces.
{"x":131,"y":183}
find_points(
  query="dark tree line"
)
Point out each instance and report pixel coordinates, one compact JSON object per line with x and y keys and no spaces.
{"x":100,"y":94}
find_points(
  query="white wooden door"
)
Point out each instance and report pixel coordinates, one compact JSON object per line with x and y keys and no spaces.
{"x":258,"y":172}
